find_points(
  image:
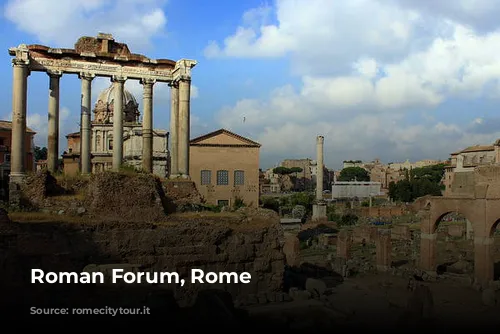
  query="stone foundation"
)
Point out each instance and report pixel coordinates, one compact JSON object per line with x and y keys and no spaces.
{"x":179,"y":247}
{"x":319,"y":212}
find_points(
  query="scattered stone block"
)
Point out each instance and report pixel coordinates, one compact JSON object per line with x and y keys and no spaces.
{"x":316,"y":287}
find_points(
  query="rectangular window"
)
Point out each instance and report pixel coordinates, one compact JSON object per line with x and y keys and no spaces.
{"x":239,"y":177}
{"x":222,"y":177}
{"x":222,"y":202}
{"x":206,"y":177}
{"x":7,"y":158}
{"x":110,"y":145}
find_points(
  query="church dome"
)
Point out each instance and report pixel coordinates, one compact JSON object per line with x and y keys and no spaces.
{"x":108,"y":96}
{"x":104,"y":106}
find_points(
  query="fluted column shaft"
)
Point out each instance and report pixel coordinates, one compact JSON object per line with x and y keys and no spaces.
{"x":174,"y":127}
{"x":85,"y":126}
{"x":53,"y":122}
{"x":118,"y":83}
{"x":147,"y":125}
{"x":184,"y":126}
{"x":19,"y":97}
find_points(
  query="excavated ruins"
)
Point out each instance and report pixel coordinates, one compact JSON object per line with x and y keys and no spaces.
{"x":361,"y":275}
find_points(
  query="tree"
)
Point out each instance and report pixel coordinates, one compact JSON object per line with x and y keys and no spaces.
{"x":282,"y":171}
{"x":40,"y":153}
{"x":418,"y":182}
{"x":354,"y":173}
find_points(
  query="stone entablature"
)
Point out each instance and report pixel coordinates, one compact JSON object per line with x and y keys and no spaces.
{"x":108,"y":60}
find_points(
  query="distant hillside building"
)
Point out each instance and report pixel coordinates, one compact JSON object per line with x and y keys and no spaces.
{"x":225,"y":167}
{"x":459,"y":174}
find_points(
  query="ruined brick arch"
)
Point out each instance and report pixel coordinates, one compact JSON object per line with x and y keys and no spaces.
{"x":494,"y":227}
{"x":436,"y":208}
{"x":437,"y":220}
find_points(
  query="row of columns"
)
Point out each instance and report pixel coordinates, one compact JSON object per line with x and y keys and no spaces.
{"x":180,"y":123}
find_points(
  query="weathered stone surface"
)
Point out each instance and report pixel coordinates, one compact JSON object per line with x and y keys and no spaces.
{"x":179,"y":247}
{"x":488,"y":297}
{"x":120,"y":197}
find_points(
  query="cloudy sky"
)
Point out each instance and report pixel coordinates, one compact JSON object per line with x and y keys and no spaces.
{"x":388,"y":79}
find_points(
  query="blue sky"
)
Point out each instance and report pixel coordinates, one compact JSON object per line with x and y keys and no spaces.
{"x":396,"y":80}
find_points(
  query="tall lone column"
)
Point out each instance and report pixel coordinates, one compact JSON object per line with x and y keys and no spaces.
{"x":18,"y":141}
{"x":118,"y":83}
{"x":53,"y":124}
{"x":147,"y":125}
{"x":319,"y":208}
{"x":174,"y":125}
{"x":319,"y":168}
{"x":184,"y":126}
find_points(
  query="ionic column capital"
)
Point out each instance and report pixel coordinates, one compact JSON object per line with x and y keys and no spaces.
{"x":20,"y":62}
{"x":54,"y":73}
{"x":147,"y":81}
{"x":173,"y":84}
{"x":118,"y":78}
{"x":86,"y":76}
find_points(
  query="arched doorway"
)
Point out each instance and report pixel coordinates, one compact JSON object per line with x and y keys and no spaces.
{"x":455,"y":244}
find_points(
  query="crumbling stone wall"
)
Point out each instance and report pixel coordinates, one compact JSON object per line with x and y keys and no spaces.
{"x":135,"y":198}
{"x":182,"y":192}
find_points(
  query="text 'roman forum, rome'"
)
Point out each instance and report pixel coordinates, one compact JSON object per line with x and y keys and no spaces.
{"x":92,"y":57}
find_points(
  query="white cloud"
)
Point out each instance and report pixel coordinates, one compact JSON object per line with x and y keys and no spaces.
{"x":61,"y":23}
{"x":365,"y":67}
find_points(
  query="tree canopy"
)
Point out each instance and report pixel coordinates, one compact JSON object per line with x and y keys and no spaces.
{"x":40,"y":153}
{"x":354,"y":174}
{"x":417,"y":183}
{"x":286,"y":171}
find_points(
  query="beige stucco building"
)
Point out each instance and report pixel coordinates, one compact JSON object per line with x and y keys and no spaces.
{"x":225,"y":167}
{"x":459,"y":173}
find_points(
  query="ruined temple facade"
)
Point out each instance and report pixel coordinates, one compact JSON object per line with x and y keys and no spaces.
{"x":102,"y":138}
{"x":92,"y":57}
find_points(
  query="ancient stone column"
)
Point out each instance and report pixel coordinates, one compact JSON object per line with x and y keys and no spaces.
{"x":319,"y":168}
{"x":428,"y":251}
{"x":184,"y":126}
{"x":174,"y":126}
{"x":147,"y":125}
{"x":484,"y":260}
{"x":119,"y":83}
{"x":18,"y":141}
{"x":85,"y":166}
{"x":53,"y":123}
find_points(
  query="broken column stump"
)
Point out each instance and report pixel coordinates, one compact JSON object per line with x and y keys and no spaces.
{"x":344,"y":243}
{"x":384,"y":250}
